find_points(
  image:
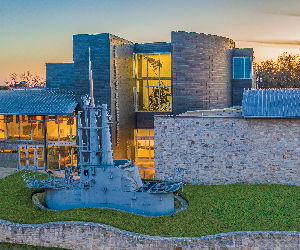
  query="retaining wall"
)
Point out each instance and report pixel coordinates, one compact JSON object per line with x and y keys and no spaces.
{"x":87,"y":235}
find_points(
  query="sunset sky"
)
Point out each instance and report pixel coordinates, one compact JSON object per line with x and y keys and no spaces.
{"x":34,"y":32}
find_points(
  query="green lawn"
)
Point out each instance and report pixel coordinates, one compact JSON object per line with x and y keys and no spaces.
{"x":212,"y":209}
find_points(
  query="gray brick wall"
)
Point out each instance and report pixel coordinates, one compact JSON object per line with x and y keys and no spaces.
{"x":238,"y":85}
{"x":202,"y":71}
{"x":60,"y":75}
{"x":122,"y":98}
{"x":153,"y":47}
{"x":100,"y":57}
{"x":112,"y":62}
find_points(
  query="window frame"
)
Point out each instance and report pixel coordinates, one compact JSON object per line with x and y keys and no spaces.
{"x":251,"y":67}
{"x":159,"y":79}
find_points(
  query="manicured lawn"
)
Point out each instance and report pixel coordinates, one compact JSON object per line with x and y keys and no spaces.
{"x":212,"y":209}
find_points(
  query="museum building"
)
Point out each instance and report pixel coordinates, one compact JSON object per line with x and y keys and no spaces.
{"x":194,"y":71}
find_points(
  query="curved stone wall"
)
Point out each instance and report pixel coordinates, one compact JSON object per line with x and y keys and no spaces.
{"x":88,"y":235}
{"x":202,"y":71}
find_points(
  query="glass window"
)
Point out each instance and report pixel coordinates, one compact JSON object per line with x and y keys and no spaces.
{"x":165,"y":67}
{"x":2,"y":127}
{"x":23,"y":156}
{"x":74,"y":156}
{"x":145,"y":145}
{"x":25,"y":128}
{"x":64,"y":131}
{"x":153,"y":98}
{"x":153,"y":82}
{"x":153,"y":65}
{"x":12,"y":125}
{"x":37,"y":128}
{"x":31,"y":156}
{"x":52,"y":128}
{"x":141,"y":66}
{"x":248,"y":66}
{"x":53,"y":157}
{"x":144,"y":152}
{"x":65,"y":156}
{"x":242,"y":67}
{"x":40,"y":156}
{"x":72,"y":122}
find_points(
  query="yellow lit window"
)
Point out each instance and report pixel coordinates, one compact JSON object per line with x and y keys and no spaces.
{"x":153,"y":82}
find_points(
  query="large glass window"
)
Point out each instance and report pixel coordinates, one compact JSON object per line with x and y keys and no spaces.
{"x":61,"y":128}
{"x":144,"y":146}
{"x":25,"y":127}
{"x":59,"y":156}
{"x":2,"y":127}
{"x":37,"y":127}
{"x":242,"y":67}
{"x":12,"y":126}
{"x":52,"y":128}
{"x":153,"y":82}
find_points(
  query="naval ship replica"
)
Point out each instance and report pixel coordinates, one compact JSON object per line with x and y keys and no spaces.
{"x":104,"y":182}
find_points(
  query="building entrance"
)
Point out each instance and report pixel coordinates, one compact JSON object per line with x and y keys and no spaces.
{"x":31,"y":156}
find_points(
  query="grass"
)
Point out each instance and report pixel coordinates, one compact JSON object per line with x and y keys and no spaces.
{"x":212,"y":209}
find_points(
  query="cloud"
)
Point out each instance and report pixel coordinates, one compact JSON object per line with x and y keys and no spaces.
{"x":281,"y":13}
{"x":274,"y":42}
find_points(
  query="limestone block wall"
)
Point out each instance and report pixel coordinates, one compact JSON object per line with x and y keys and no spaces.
{"x":87,"y":235}
{"x":202,"y":71}
{"x":217,"y":150}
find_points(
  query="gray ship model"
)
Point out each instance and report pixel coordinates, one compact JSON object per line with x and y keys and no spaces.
{"x":104,"y":182}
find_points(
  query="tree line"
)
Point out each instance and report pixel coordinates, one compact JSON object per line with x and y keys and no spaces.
{"x":25,"y":80}
{"x":283,"y":73}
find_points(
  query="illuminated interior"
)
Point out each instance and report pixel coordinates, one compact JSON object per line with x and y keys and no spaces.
{"x":153,"y":82}
{"x":23,"y":127}
{"x":144,"y":146}
{"x":59,"y":156}
{"x":60,"y":128}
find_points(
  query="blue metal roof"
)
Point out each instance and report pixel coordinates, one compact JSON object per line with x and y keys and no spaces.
{"x":270,"y":103}
{"x":37,"y":102}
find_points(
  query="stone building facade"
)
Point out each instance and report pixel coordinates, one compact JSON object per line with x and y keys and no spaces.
{"x":221,"y":146}
{"x":138,"y":81}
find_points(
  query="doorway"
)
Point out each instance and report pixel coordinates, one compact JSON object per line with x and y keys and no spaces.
{"x":31,"y":157}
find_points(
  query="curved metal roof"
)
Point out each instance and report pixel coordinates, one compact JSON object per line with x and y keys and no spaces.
{"x":269,"y":103}
{"x":37,"y":102}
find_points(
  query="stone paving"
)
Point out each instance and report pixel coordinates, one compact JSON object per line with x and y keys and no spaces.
{"x":7,"y":171}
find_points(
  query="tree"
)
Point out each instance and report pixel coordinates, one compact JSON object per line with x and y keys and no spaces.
{"x":25,"y":80}
{"x":285,"y":73}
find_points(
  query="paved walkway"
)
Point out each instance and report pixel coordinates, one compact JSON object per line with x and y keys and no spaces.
{"x":6,"y":171}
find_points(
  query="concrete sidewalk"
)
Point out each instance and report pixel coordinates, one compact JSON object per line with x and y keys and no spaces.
{"x":6,"y":171}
